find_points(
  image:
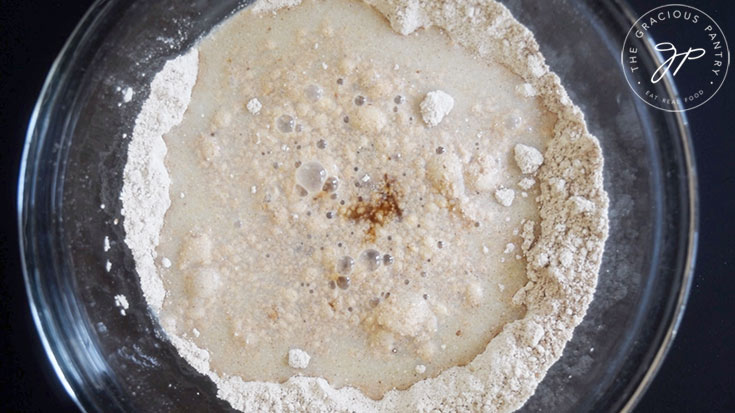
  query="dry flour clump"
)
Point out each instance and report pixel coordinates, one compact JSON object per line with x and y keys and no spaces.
{"x":526,"y":183}
{"x":435,"y":106}
{"x":298,"y":359}
{"x":254,"y":106}
{"x":561,"y":267}
{"x":505,"y":196}
{"x":122,"y":302}
{"x":528,"y":158}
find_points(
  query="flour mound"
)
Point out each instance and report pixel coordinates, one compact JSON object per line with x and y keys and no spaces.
{"x":144,"y":196}
{"x":562,"y":265}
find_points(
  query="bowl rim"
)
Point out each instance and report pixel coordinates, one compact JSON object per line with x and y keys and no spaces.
{"x":44,"y":326}
{"x":682,"y":124}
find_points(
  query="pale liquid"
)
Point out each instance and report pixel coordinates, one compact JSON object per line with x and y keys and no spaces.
{"x":256,"y":262}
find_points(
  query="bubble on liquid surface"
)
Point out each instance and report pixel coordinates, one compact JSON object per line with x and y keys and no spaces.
{"x":345,"y":265}
{"x":343,"y":282}
{"x":314,"y":92}
{"x":513,"y":121}
{"x":285,"y":123}
{"x":311,"y":175}
{"x":331,"y":184}
{"x":370,"y":259}
{"x":301,"y":191}
{"x":387,"y":259}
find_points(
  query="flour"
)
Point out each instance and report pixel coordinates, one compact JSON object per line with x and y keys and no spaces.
{"x":526,"y":183}
{"x":509,"y":248}
{"x":562,"y":265}
{"x":505,"y":196}
{"x":144,"y":196}
{"x":298,"y":359}
{"x":128,"y":94}
{"x":254,"y":106}
{"x":435,"y":106}
{"x":122,"y":302}
{"x":528,"y":158}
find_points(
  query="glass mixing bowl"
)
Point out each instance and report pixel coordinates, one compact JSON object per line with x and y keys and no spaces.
{"x":71,"y":178}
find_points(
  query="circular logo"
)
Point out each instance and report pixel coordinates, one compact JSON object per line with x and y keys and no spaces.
{"x":689,"y":47}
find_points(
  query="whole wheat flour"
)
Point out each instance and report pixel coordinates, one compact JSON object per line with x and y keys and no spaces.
{"x":146,"y":181}
{"x":563,"y":251}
